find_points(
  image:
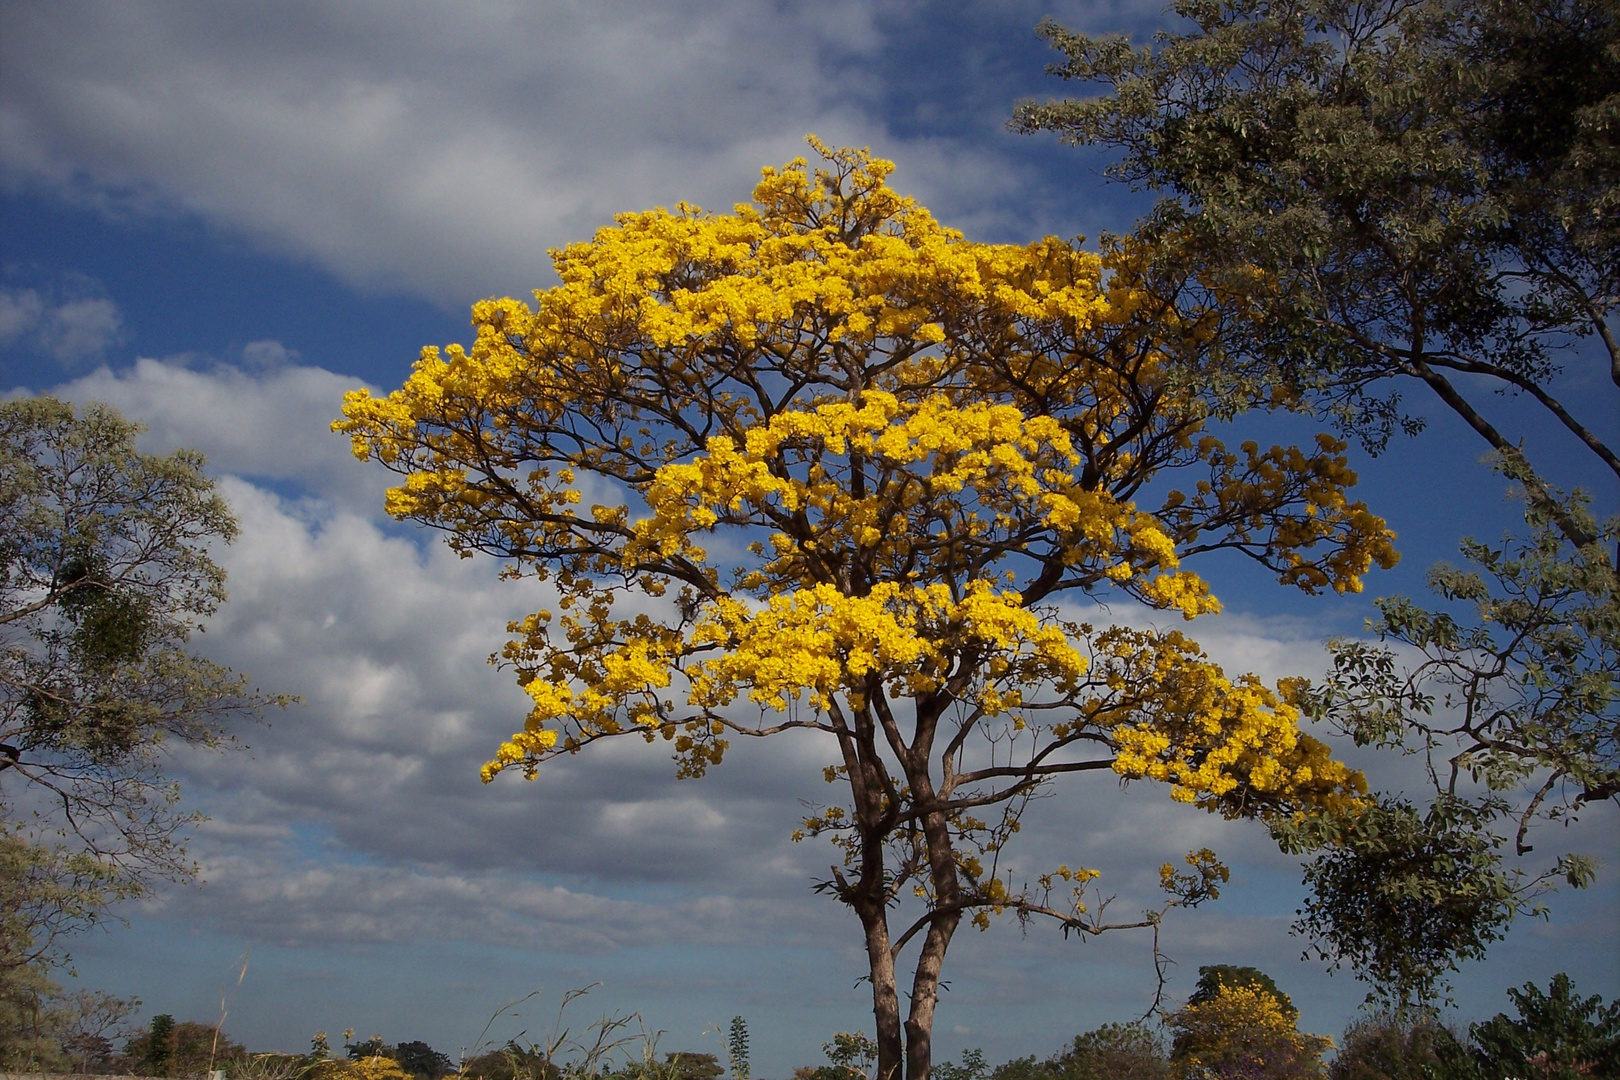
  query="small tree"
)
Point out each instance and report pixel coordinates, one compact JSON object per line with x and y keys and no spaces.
{"x":1242,"y":1028}
{"x":422,"y":1061}
{"x":822,"y":465}
{"x":1111,"y":1052}
{"x":737,"y":1048}
{"x":1392,"y":1046}
{"x":973,"y":1067}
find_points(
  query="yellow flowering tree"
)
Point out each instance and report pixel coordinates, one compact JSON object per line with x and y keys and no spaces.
{"x":1243,"y":1032}
{"x":822,"y":464}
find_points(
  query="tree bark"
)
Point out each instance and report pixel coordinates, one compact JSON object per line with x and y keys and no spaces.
{"x":885,"y":994}
{"x":925,"y":979}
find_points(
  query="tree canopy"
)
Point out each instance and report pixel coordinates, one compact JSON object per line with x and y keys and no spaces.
{"x":104,"y":576}
{"x":1239,"y":1024}
{"x":821,"y":464}
{"x":1423,"y":193}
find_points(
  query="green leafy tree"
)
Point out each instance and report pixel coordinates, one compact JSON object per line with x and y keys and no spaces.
{"x":372,"y":1047}
{"x":27,"y":1041}
{"x":187,"y":1048}
{"x":850,"y":1054}
{"x":691,"y":1065}
{"x":1115,"y":1052}
{"x":104,"y":576}
{"x":1398,"y":194}
{"x":973,"y":1067}
{"x":513,"y":1061}
{"x":1558,"y":1035}
{"x":151,"y":1047}
{"x":1423,"y":190}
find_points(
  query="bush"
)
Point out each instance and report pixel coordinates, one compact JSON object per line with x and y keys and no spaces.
{"x":510,"y":1062}
{"x":1389,"y":1047}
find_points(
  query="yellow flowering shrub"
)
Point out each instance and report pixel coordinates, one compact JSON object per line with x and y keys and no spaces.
{"x":822,"y":463}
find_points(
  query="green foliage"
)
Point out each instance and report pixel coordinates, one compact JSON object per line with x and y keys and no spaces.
{"x":26,"y":1039}
{"x":1417,"y":205}
{"x":104,"y":576}
{"x":422,"y":1061}
{"x":1116,"y":1052}
{"x":1022,"y":1068}
{"x":737,"y":1048}
{"x":1523,"y":697}
{"x":1390,"y":1046}
{"x":973,"y":1067}
{"x":152,"y":1049}
{"x":1404,"y":894}
{"x":1423,"y":193}
{"x":1110,"y":1052}
{"x":372,"y":1047}
{"x":43,"y":1029}
{"x":690,"y":1065}
{"x":851,"y":1056}
{"x":1558,"y":1035}
{"x":510,"y":1062}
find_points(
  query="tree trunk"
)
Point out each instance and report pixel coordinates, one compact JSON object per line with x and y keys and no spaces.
{"x":925,"y":978}
{"x":885,"y":994}
{"x":925,"y":996}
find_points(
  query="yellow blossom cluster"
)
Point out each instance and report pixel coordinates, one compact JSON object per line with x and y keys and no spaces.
{"x":900,"y":638}
{"x":1229,"y":745}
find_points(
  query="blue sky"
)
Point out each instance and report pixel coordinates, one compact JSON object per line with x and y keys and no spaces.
{"x":221,"y":217}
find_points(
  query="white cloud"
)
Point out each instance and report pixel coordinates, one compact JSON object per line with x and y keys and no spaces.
{"x":443,"y":150}
{"x":424,"y":147}
{"x":81,"y":329}
{"x":20,"y":311}
{"x":266,"y":893}
{"x":271,"y":422}
{"x":71,"y":331}
{"x":259,"y":355}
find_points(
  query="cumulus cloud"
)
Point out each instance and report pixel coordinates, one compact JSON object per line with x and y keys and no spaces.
{"x":71,"y":330}
{"x":423,"y":150}
{"x":443,"y":150}
{"x":268,"y":894}
{"x":270,"y":421}
{"x":19,"y":313}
